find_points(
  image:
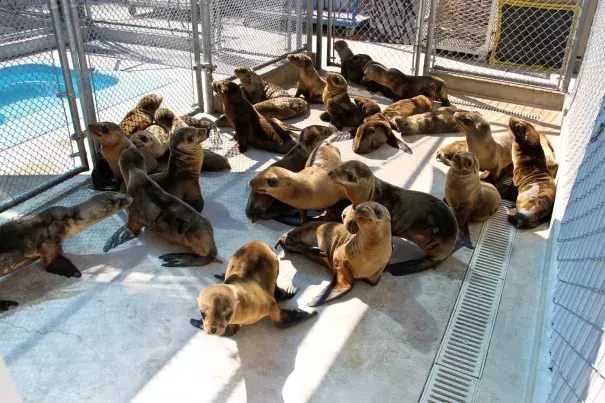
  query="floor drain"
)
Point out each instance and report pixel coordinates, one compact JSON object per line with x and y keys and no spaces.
{"x":446,"y":385}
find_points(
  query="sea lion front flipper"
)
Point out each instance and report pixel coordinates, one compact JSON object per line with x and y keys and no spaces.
{"x":282,"y":294}
{"x":288,"y":317}
{"x":464,"y":238}
{"x":243,"y":132}
{"x":197,"y":323}
{"x":122,"y":235}
{"x":341,"y":283}
{"x":396,"y":143}
{"x":219,"y":276}
{"x":214,"y":162}
{"x":185,"y":259}
{"x":325,"y":116}
{"x":408,"y":267}
{"x":291,"y":246}
{"x":63,"y":267}
{"x":353,"y":133}
{"x":5,"y":304}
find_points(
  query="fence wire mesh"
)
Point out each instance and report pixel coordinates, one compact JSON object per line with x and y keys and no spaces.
{"x":35,"y":126}
{"x":577,"y":349}
{"x":512,"y":40}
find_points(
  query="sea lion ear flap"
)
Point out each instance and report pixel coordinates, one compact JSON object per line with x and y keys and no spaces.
{"x":401,"y":145}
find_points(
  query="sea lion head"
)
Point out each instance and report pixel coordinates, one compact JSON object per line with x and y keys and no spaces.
{"x":336,"y":83}
{"x":472,"y":123}
{"x":245,"y":74}
{"x":164,"y":117}
{"x":340,"y":46}
{"x":272,"y":181}
{"x":150,"y":103}
{"x":313,"y":136}
{"x":366,"y":216}
{"x":405,"y":125}
{"x":370,"y":136}
{"x":217,"y":304}
{"x":188,"y":140}
{"x":107,"y":133}
{"x":366,"y":106}
{"x":356,"y":178}
{"x":526,"y":135}
{"x":145,"y":141}
{"x":131,"y":158}
{"x":430,"y":92}
{"x":226,"y":88}
{"x":465,"y":162}
{"x":374,"y":72}
{"x":104,"y":204}
{"x":300,"y":60}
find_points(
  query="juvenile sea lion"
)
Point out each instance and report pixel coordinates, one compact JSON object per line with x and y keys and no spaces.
{"x":309,"y":83}
{"x":308,"y":189}
{"x":405,"y":86}
{"x":360,"y":248}
{"x":340,"y":111}
{"x":536,"y":185}
{"x":248,"y":294}
{"x":471,"y":199}
{"x":419,"y":217}
{"x":163,"y":214}
{"x":154,"y":141}
{"x":141,"y":117}
{"x":549,"y":152}
{"x":102,"y":176}
{"x":373,"y":133}
{"x":275,"y":108}
{"x":412,"y":106}
{"x":266,"y":207}
{"x":366,"y":106}
{"x":251,"y":127}
{"x":168,"y":120}
{"x":182,"y":176}
{"x":41,"y":236}
{"x":256,"y":89}
{"x":447,"y":152}
{"x":113,"y":142}
{"x":440,"y":121}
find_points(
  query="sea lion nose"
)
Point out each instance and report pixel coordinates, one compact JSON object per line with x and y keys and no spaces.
{"x":331,"y":172}
{"x":213,"y":330}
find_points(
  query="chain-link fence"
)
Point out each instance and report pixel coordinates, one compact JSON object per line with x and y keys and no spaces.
{"x":578,"y":345}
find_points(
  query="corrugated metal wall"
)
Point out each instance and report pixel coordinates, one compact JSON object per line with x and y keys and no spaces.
{"x":578,"y":346}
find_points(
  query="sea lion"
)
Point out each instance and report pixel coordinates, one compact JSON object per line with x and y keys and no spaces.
{"x":447,"y":152}
{"x":154,"y":141}
{"x":102,"y":176}
{"x":264,"y":206}
{"x":248,"y":294}
{"x":182,"y":176}
{"x":203,"y":123}
{"x":275,"y":108}
{"x":41,"y":236}
{"x":163,"y":214}
{"x":549,"y":152}
{"x":437,"y":122}
{"x":340,"y":110}
{"x":493,"y":152}
{"x":251,"y":127}
{"x":309,"y":83}
{"x":113,"y":142}
{"x":168,"y":120}
{"x":366,"y":106}
{"x":373,"y":133}
{"x":471,"y":199}
{"x":420,"y":217}
{"x":405,"y":86}
{"x":412,"y":106}
{"x":308,"y":189}
{"x":536,"y":185}
{"x":141,"y":117}
{"x":256,"y":89}
{"x":360,"y":248}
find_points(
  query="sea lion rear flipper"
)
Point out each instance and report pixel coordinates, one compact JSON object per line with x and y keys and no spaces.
{"x":197,"y":323}
{"x":5,"y":304}
{"x":291,"y":246}
{"x":186,"y":259}
{"x":282,"y":294}
{"x":63,"y":267}
{"x":396,"y":143}
{"x":219,"y":276}
{"x":408,"y":267}
{"x":122,"y":235}
{"x":334,"y":290}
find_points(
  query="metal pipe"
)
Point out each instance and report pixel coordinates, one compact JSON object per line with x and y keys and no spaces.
{"x":575,"y":46}
{"x":298,"y":23}
{"x":195,"y":19}
{"x":430,"y":38}
{"x":319,"y":32}
{"x":289,"y":25}
{"x":419,"y":37}
{"x":206,"y":66}
{"x":310,"y":25}
{"x":329,"y":55}
{"x":267,"y":63}
{"x":443,"y":69}
{"x":69,"y":89}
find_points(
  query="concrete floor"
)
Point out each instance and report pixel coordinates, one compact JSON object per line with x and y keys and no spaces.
{"x":122,"y":332}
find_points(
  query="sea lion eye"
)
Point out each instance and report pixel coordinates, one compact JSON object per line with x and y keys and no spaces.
{"x":378,"y":213}
{"x":467,"y":120}
{"x":351,"y":177}
{"x":104,"y":129}
{"x":228,"y":316}
{"x":144,"y":139}
{"x":272,"y":182}
{"x":203,"y":315}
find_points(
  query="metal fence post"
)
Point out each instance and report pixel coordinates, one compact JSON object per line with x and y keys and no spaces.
{"x":195,"y":34}
{"x":289,"y":25}
{"x":298,"y":24}
{"x":419,"y":37}
{"x":319,"y":31}
{"x":206,"y":66}
{"x":310,"y":25}
{"x":573,"y":54}
{"x":329,"y":37}
{"x":430,"y":37}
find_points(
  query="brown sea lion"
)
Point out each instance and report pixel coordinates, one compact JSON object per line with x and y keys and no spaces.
{"x":405,"y":86}
{"x":248,"y":294}
{"x":340,"y":110}
{"x":536,"y":185}
{"x":471,"y":199}
{"x":251,"y":127}
{"x":447,"y":152}
{"x":41,"y":236}
{"x":437,"y":122}
{"x":154,"y":141}
{"x":163,"y":214}
{"x":141,"y":117}
{"x":308,"y":189}
{"x":264,"y":206}
{"x":276,"y":108}
{"x":373,"y":133}
{"x":168,"y":120}
{"x":419,"y":217}
{"x":113,"y":142}
{"x":360,"y":248}
{"x":203,"y":123}
{"x":182,"y":176}
{"x":409,"y":107}
{"x":256,"y":89}
{"x":309,"y":83}
{"x":549,"y":152}
{"x":366,"y":106}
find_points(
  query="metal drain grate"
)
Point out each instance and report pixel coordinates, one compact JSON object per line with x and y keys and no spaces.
{"x":459,"y":103}
{"x":464,"y":347}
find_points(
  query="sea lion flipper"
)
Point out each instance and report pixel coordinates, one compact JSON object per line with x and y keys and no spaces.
{"x":464,"y":238}
{"x":401,"y":145}
{"x":122,"y":235}
{"x":334,"y":290}
{"x":289,"y":317}
{"x":63,"y":267}
{"x":186,"y":259}
{"x":288,"y":244}
{"x":282,"y":294}
{"x":325,"y":116}
{"x":219,"y":276}
{"x":353,"y":133}
{"x":5,"y":304}
{"x":408,"y":267}
{"x":197,"y":323}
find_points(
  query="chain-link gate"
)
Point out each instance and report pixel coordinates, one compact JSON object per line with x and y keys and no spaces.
{"x":38,"y":110}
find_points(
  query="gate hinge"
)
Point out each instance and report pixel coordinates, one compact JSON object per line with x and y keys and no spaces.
{"x":205,"y":67}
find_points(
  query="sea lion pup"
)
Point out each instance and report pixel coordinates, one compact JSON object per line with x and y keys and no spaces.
{"x":264,"y":206}
{"x":536,"y":185}
{"x":340,"y":111}
{"x":309,"y":83}
{"x":113,"y":142}
{"x":168,"y":120}
{"x":437,"y":122}
{"x":154,"y":141}
{"x":275,"y":108}
{"x":493,"y":152}
{"x":41,"y":236}
{"x":256,"y":89}
{"x":182,"y":176}
{"x":446,"y":153}
{"x":251,"y":127}
{"x":366,"y":106}
{"x":360,"y":248}
{"x":308,"y":189}
{"x":419,"y":217}
{"x":248,"y":294}
{"x":141,"y":117}
{"x":163,"y":214}
{"x":471,"y":199}
{"x":405,"y":86}
{"x":373,"y":133}
{"x":549,"y":152}
{"x":409,"y":107}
